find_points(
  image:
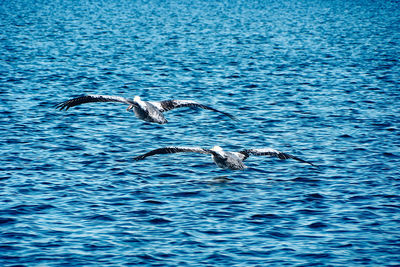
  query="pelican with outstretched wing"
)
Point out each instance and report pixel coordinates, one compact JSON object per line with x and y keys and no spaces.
{"x":224,"y":159}
{"x":150,"y":111}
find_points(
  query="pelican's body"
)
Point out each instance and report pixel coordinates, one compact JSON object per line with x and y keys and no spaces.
{"x":144,"y":110}
{"x":224,"y":159}
{"x":227,"y":160}
{"x":147,"y":111}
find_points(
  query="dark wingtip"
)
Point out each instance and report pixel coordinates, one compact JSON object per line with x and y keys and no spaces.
{"x":139,"y":158}
{"x":61,"y":106}
{"x":233,"y":117}
{"x":65,"y":105}
{"x":229,"y":115}
{"x":304,"y":161}
{"x":312,"y":164}
{"x":308,"y":162}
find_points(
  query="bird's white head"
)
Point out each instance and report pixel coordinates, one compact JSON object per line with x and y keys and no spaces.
{"x":217,"y":149}
{"x":136,"y":98}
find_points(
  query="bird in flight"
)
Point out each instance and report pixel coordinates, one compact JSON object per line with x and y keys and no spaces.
{"x":150,"y":111}
{"x":224,"y":159}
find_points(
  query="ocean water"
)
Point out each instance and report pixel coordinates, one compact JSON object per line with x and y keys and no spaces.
{"x":316,"y":79}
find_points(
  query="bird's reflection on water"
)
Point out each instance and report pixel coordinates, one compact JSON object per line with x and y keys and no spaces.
{"x":220,"y":179}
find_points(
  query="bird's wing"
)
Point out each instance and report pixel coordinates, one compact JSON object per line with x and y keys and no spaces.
{"x":167,"y":105}
{"x":92,"y":98}
{"x":170,"y":150}
{"x":270,"y":152}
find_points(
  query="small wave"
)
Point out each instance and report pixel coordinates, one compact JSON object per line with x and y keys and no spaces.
{"x":159,"y":221}
{"x":100,"y":217}
{"x":268,"y":216}
{"x":278,"y":234}
{"x":26,"y":209}
{"x":305,"y":180}
{"x":4,"y":221}
{"x":317,"y":225}
{"x":152,"y":201}
{"x":187,"y":194}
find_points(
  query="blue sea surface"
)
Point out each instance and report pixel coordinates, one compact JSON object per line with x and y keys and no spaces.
{"x":317,"y":79}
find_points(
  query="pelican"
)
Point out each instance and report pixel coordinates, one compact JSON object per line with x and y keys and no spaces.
{"x":224,"y":159}
{"x":144,"y":110}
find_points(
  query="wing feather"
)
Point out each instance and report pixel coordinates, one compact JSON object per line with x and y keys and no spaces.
{"x":167,"y":105}
{"x":92,"y":98}
{"x":270,"y":152}
{"x":170,"y":150}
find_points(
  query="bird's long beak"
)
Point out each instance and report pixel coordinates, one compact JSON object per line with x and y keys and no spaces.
{"x":129,"y":108}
